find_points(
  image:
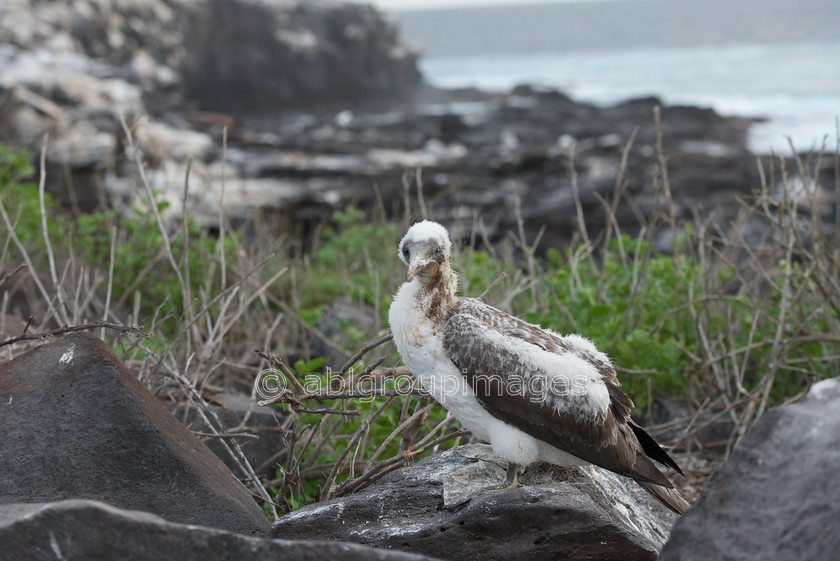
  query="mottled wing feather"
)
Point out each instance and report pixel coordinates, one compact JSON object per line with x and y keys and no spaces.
{"x":608,"y":441}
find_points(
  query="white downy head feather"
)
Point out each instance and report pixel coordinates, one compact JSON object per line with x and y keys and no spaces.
{"x":426,"y":232}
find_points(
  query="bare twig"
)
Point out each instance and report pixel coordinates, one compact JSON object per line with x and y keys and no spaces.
{"x":502,"y":276}
{"x":9,"y":274}
{"x":110,"y":284}
{"x":278,"y":364}
{"x":33,"y":273}
{"x":327,"y":411}
{"x":230,"y":445}
{"x":225,"y":435}
{"x":135,"y":152}
{"x":363,"y":351}
{"x":59,"y":293}
{"x":573,"y":177}
{"x":666,"y":183}
{"x":382,"y":468}
{"x":328,"y":489}
{"x":292,"y":473}
{"x":72,"y":328}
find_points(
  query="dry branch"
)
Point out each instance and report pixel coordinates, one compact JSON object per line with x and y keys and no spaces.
{"x":72,"y":328}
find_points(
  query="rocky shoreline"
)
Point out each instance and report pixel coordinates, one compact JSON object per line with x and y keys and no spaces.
{"x":295,"y":155}
{"x":501,"y":156}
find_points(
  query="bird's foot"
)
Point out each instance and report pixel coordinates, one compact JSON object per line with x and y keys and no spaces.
{"x":512,"y":477}
{"x":408,"y":456}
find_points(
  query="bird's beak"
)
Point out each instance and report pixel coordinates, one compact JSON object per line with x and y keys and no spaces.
{"x":415,"y":268}
{"x":420,"y":262}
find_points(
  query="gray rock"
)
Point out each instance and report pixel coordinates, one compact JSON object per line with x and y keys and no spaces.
{"x":341,"y":314}
{"x":68,"y":78}
{"x":24,"y":300}
{"x":159,"y":142}
{"x":776,"y":497}
{"x":242,"y":413}
{"x":78,"y":529}
{"x":700,"y":429}
{"x":251,"y":55}
{"x":11,"y":326}
{"x":82,"y":147}
{"x":450,"y":506}
{"x":244,"y":197}
{"x":25,"y":116}
{"x":76,"y":424}
{"x":69,"y":68}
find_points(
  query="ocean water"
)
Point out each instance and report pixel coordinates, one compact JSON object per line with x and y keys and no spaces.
{"x":767,"y":59}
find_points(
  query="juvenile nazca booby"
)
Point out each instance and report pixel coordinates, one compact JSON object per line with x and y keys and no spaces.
{"x":531,"y":393}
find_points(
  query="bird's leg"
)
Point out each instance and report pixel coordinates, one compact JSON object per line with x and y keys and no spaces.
{"x":512,"y":476}
{"x":408,"y":455}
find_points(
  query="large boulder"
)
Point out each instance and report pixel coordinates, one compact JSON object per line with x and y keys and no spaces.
{"x":248,"y":55}
{"x":776,"y":497}
{"x":251,"y":55}
{"x":78,"y":529}
{"x":76,"y":424}
{"x":450,"y":506}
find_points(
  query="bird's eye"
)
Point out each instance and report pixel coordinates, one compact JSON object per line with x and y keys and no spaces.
{"x":437,"y":251}
{"x":406,"y":253}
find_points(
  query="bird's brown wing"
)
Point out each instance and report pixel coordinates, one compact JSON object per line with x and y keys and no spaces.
{"x":485,"y":344}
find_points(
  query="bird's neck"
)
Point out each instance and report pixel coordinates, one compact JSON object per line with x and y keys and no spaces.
{"x":437,"y":291}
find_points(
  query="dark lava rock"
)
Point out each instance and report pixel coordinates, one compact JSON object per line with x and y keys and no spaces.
{"x":449,"y":506}
{"x":499,"y":149}
{"x":78,"y":529}
{"x":345,"y":322}
{"x":242,"y":412}
{"x":702,"y":430}
{"x":253,"y":55}
{"x":24,"y":302}
{"x":776,"y":497}
{"x":76,"y":424}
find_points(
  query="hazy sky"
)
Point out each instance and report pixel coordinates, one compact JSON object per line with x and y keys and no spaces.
{"x":418,"y":4}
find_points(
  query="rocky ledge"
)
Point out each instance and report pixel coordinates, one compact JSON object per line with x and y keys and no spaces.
{"x":454,"y":505}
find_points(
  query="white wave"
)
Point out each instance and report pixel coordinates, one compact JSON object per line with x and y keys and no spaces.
{"x":796,"y":86}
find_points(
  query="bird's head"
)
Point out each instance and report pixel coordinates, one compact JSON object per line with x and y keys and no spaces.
{"x":425,"y":248}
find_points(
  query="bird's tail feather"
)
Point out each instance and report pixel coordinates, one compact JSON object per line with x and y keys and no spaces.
{"x":652,"y":449}
{"x":668,"y":497}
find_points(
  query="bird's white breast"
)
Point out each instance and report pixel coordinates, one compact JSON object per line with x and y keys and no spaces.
{"x":419,"y":340}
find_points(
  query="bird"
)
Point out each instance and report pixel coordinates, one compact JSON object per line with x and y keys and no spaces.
{"x":533,"y":394}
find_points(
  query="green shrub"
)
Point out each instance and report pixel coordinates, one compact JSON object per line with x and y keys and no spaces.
{"x":624,"y":303}
{"x":19,"y":193}
{"x":142,"y":264}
